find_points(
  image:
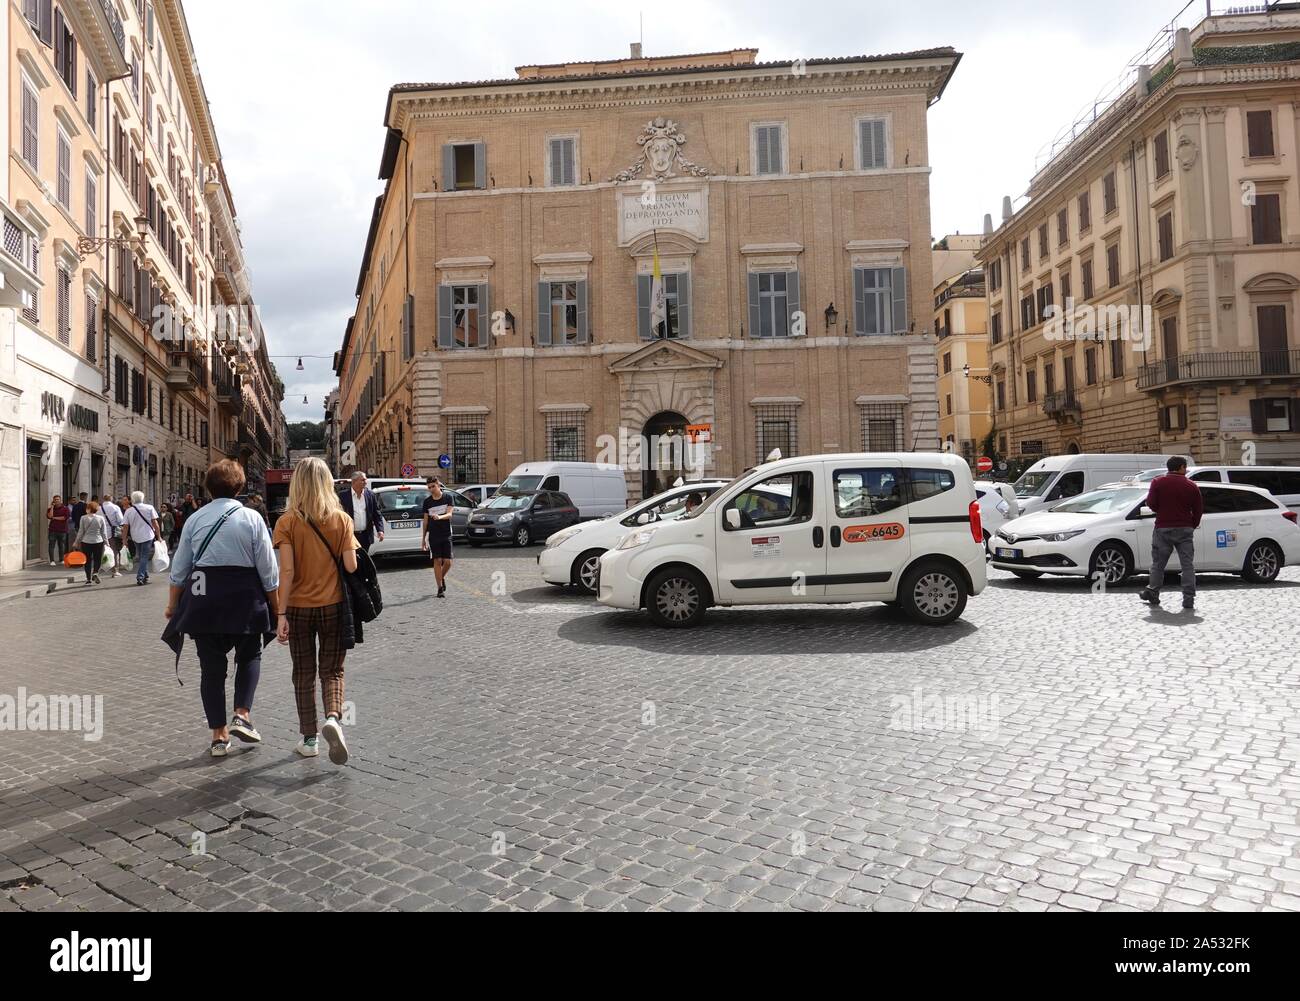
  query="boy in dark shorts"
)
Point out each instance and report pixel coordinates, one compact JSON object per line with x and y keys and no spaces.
{"x":435,"y":535}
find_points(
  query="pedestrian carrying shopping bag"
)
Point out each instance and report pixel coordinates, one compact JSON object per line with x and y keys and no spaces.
{"x":126,"y":561}
{"x":106,"y":561}
{"x":161,"y":561}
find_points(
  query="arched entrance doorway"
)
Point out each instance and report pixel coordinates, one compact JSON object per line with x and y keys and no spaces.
{"x":1073,"y":449}
{"x":663,"y":458}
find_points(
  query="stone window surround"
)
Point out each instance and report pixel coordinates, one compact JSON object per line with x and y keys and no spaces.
{"x":880,"y":116}
{"x":577,"y":158}
{"x":877,"y":253}
{"x":464,"y":270}
{"x":563,"y":267}
{"x":766,"y":257}
{"x":754,"y":126}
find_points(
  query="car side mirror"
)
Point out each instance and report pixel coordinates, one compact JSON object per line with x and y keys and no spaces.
{"x":645,"y":517}
{"x":1145,"y":512}
{"x":733,"y":519}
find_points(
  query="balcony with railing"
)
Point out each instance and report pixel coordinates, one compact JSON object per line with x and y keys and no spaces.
{"x":1061,"y":404}
{"x":1219,"y":366}
{"x":185,"y":370}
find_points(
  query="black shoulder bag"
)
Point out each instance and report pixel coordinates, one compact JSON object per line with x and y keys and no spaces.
{"x":360,"y":590}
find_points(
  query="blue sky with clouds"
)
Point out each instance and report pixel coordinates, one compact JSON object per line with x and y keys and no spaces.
{"x":297,"y":89}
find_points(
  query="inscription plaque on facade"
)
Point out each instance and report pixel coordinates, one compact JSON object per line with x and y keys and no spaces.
{"x":666,"y":208}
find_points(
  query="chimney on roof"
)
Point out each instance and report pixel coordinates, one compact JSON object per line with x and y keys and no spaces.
{"x":636,"y":50}
{"x":988,"y":224}
{"x":1183,"y":48}
{"x":1006,"y":208}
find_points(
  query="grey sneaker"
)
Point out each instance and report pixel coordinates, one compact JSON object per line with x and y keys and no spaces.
{"x":220,"y":748}
{"x":244,"y":730}
{"x":307,"y":747}
{"x":333,"y":734}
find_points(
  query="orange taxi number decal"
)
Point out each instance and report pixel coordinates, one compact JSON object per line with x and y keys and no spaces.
{"x":874,"y":533}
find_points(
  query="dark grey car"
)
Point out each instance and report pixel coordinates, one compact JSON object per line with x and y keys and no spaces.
{"x":522,"y":519}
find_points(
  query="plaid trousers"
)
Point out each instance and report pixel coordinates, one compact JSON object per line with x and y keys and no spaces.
{"x":306,"y":627}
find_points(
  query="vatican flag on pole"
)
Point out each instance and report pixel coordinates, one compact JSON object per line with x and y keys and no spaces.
{"x":658,"y":305}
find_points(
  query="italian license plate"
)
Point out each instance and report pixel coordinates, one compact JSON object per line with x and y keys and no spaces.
{"x":1010,"y":554}
{"x":479,"y":531}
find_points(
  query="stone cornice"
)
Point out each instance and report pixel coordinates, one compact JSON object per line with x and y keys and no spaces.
{"x":535,"y":96}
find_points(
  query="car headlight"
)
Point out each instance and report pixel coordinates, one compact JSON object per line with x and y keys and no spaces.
{"x":638,"y":538}
{"x":1062,"y":536}
{"x":562,"y":536}
{"x":502,"y":519}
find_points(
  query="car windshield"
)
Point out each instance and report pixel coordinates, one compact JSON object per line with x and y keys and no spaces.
{"x":521,"y":485}
{"x":670,"y":505}
{"x":401,"y":502}
{"x":713,"y":498}
{"x":1034,"y":484}
{"x":509,"y":502}
{"x":1101,"y":501}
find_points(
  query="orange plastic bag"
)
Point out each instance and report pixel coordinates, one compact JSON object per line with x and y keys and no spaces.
{"x":74,"y":559}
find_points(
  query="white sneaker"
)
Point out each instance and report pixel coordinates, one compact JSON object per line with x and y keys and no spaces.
{"x":53,"y":564}
{"x":333,"y":734}
{"x":307,"y":747}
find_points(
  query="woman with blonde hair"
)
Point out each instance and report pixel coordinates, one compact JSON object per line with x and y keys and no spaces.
{"x":312,"y":538}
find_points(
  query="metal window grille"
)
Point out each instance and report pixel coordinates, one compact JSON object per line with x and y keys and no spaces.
{"x":882,"y":427}
{"x":566,"y":436}
{"x":776,"y":426}
{"x":14,"y":240}
{"x":465,"y":446}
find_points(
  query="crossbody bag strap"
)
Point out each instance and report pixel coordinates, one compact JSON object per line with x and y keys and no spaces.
{"x":208,"y":539}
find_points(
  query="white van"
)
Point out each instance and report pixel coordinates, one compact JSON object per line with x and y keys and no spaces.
{"x":902,"y":528}
{"x":1283,"y":482}
{"x":1061,"y":477}
{"x":598,"y":490}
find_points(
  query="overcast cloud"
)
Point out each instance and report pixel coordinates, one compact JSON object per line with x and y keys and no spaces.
{"x":297,"y":89}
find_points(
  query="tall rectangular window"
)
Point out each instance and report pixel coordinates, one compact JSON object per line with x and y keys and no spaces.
{"x":1031,"y":386}
{"x":1085,"y":212}
{"x":1266,"y":219}
{"x":1165,"y":230}
{"x":880,"y":301}
{"x":1116,"y":358}
{"x":776,"y":426}
{"x":563,"y":161}
{"x":465,"y":316}
{"x":1259,"y":133}
{"x":464,"y":166}
{"x":773,"y":307}
{"x":1042,"y":242}
{"x":873,"y":152}
{"x":63,"y":188}
{"x":1112,"y":265}
{"x":1063,"y":228}
{"x":1086,"y":283}
{"x":92,"y":202}
{"x":769,"y":152}
{"x":31,"y":125}
{"x":1160,"y":149}
{"x":564,"y":312}
{"x":1110,"y":193}
{"x":63,"y":310}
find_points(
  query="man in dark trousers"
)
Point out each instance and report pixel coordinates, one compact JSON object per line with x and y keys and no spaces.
{"x":362,"y":507}
{"x":1177,"y":502}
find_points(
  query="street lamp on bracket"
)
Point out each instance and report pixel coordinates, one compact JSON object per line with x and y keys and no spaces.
{"x":88,"y":245}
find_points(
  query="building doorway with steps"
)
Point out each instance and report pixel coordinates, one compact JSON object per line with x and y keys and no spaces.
{"x":664,"y":454}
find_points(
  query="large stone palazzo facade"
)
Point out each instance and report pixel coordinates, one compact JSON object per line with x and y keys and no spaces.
{"x":504,"y":298}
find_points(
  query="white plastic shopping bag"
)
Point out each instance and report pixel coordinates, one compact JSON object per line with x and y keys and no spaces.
{"x":160,"y":561}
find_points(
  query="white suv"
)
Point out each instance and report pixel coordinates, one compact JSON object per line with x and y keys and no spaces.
{"x":901,"y":528}
{"x":572,"y":555}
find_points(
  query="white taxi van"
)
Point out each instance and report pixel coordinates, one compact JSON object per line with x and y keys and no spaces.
{"x":900,"y":528}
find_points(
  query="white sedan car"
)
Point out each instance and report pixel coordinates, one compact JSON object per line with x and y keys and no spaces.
{"x":1108,"y":532}
{"x":998,"y":505}
{"x":572,"y":555}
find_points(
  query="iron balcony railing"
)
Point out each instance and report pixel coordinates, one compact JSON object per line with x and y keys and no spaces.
{"x":1219,"y":365}
{"x":1062,"y":402}
{"x":114,"y":24}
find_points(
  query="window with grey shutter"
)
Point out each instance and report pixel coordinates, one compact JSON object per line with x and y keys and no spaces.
{"x":770,"y":290}
{"x":543,"y":337}
{"x":584,"y":335}
{"x":768,"y":149}
{"x":682,"y":308}
{"x":644,"y":284}
{"x":45,"y":22}
{"x":480,"y":165}
{"x":31,"y":126}
{"x":446,"y":334}
{"x":63,"y":188}
{"x":792,"y":301}
{"x":564,"y":166}
{"x":898,"y":281}
{"x":484,"y":319}
{"x":880,"y":301}
{"x":871,"y":141}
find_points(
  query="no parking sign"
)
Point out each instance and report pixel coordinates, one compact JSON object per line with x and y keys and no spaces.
{"x":408,"y":471}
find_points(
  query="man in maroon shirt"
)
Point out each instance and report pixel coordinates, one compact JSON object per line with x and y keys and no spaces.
{"x":1177,"y":502}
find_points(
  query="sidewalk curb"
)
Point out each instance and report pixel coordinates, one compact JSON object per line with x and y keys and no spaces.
{"x":43,"y":589}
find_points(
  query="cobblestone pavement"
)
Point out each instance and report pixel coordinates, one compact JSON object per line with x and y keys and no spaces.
{"x":515,"y":746}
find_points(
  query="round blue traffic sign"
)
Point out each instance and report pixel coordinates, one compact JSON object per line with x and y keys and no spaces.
{"x":444,"y":462}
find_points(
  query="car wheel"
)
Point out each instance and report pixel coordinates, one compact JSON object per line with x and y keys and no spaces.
{"x":933,"y":594}
{"x":522,"y":538}
{"x":585,"y":570}
{"x":1263,"y":563}
{"x":675,"y":598}
{"x":1113,"y":562}
{"x":1028,"y":574}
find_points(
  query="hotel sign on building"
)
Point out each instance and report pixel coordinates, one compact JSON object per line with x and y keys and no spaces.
{"x":508,"y":307}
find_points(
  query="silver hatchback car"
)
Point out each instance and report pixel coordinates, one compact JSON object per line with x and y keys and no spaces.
{"x":403,"y":510}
